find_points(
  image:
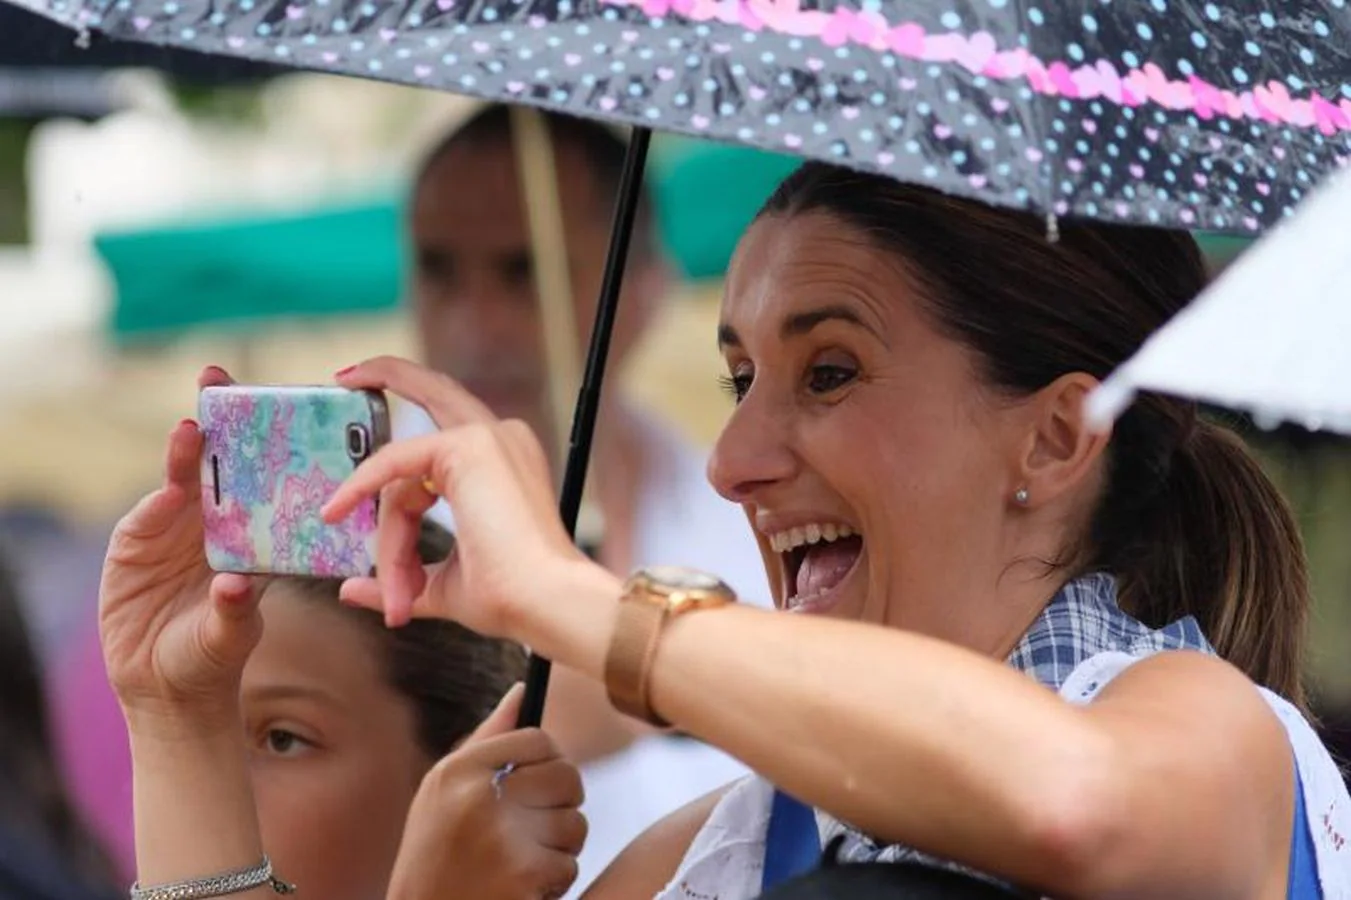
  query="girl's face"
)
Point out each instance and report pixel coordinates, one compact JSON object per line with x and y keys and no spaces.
{"x":333,"y":750}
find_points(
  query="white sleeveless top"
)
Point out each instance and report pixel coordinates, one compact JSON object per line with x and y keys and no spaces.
{"x":726,"y":859}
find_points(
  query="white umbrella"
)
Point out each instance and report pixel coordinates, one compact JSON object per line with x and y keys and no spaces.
{"x":1271,"y":336}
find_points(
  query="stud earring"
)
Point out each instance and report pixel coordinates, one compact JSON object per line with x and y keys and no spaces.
{"x":1021,"y":496}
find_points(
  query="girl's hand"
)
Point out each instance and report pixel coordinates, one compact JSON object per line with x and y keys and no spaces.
{"x":473,"y":832}
{"x":175,"y":635}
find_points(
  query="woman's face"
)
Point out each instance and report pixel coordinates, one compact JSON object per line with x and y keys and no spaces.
{"x":871,"y":459}
{"x":334,"y":757}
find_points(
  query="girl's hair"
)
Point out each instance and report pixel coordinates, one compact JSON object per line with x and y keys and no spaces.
{"x":1188,"y":522}
{"x":452,"y":676}
{"x":33,"y":798}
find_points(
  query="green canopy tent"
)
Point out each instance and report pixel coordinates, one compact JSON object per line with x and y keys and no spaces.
{"x":242,"y":272}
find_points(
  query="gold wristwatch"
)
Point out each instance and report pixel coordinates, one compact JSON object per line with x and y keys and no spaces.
{"x":651,"y":598}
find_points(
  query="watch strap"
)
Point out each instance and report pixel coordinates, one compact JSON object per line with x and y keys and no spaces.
{"x":628,"y":665}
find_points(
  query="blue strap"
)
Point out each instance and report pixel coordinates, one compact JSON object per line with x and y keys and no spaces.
{"x":792,"y":844}
{"x":1303,"y":881}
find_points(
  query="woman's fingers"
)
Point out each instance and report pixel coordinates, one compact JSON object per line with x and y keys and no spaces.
{"x":414,"y":458}
{"x":444,"y":399}
{"x":399,"y":570}
{"x":213,"y":376}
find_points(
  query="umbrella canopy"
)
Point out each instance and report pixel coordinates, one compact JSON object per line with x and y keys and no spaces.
{"x":1184,"y":113}
{"x":1270,"y":336}
{"x":32,"y":41}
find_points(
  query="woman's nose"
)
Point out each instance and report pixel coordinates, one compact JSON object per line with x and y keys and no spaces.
{"x":752,"y":453}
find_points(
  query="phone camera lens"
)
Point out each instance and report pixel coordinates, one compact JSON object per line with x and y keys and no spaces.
{"x":358,"y":442}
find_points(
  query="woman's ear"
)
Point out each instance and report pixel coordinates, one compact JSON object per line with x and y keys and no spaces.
{"x":1061,"y":450}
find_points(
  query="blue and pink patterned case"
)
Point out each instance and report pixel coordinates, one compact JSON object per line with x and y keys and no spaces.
{"x":273,"y":456}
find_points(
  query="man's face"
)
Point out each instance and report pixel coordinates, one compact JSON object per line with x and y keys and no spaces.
{"x":477,"y":310}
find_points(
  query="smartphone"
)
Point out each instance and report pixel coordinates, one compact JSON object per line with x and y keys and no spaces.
{"x":273,"y":456}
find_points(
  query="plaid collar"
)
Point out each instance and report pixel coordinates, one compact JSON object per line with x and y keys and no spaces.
{"x":1083,"y":620}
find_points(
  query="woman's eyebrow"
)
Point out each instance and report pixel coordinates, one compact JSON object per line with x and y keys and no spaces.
{"x":801,"y":323}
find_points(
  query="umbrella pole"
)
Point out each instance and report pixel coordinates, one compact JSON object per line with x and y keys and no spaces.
{"x":588,"y":396}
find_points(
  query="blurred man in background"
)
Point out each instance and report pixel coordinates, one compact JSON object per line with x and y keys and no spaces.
{"x":479,"y":321}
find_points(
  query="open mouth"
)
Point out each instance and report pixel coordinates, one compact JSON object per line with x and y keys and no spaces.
{"x":816,"y":559}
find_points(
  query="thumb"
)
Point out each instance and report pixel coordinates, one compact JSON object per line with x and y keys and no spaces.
{"x":502,"y":720}
{"x":233,"y":626}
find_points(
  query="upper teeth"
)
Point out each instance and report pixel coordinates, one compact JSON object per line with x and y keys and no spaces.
{"x":785,"y":541}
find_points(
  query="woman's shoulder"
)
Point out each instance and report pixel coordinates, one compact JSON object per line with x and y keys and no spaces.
{"x":660,"y":858}
{"x":1327,"y":804}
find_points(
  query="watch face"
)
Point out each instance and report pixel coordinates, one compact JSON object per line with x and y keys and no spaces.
{"x":682,"y":579}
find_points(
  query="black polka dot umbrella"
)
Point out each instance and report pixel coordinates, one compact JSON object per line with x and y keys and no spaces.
{"x":1177,"y":113}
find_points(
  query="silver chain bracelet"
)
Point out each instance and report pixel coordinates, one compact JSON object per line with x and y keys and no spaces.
{"x":216,"y":885}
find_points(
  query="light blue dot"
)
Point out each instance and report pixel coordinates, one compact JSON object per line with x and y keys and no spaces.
{"x":1267,"y":20}
{"x":912,"y":147}
{"x":744,"y":134}
{"x":1240,"y":76}
{"x":860,"y":76}
{"x":1321,"y":29}
{"x":1075,"y":52}
{"x":1212,"y":12}
{"x":1296,"y":83}
{"x":1251,"y":48}
{"x":773,"y":119}
{"x":866,"y":135}
{"x":490,"y":14}
{"x":1145,"y":32}
{"x":1015,"y":130}
{"x":819,"y":127}
{"x":836,"y":148}
{"x":951,"y":20}
{"x":830,"y":90}
{"x":1160,"y":5}
{"x":785,"y":79}
{"x":987,"y":144}
{"x":878,"y":98}
{"x":1306,"y":56}
{"x":1035,"y":16}
{"x":651,"y":112}
{"x":931,"y":172}
{"x":1199,"y":40}
{"x":895,"y":123}
{"x":284,"y":51}
{"x":959,"y":157}
{"x":998,"y":4}
{"x":726,"y":109}
{"x":1130,"y":59}
{"x":802,"y":105}
{"x":710,"y":85}
{"x":1185,"y":67}
{"x":1090,"y":23}
{"x":1021,"y":194}
{"x":681,"y":99}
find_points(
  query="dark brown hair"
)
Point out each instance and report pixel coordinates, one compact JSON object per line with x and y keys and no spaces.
{"x":452,"y":676}
{"x":33,"y":797}
{"x":1188,"y":522}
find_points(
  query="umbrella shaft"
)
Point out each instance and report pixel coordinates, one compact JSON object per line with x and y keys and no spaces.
{"x":588,"y":396}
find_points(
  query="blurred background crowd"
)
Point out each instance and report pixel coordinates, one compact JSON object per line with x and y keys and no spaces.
{"x":152,"y":224}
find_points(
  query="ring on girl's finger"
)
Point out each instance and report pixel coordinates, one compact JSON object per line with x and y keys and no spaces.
{"x":500,"y":775}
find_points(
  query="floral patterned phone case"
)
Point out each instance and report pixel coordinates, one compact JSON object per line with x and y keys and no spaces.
{"x":273,"y":456}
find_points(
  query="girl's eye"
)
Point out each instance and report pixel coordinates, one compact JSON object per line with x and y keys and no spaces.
{"x":283,"y":742}
{"x":823,"y":379}
{"x":736,"y":385}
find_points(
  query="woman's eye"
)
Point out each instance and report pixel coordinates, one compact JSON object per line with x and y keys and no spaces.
{"x":824,"y":379}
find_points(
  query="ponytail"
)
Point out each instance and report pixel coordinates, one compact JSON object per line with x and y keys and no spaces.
{"x":1215,"y":540}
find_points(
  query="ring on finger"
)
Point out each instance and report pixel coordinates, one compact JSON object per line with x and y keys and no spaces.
{"x":499,"y":776}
